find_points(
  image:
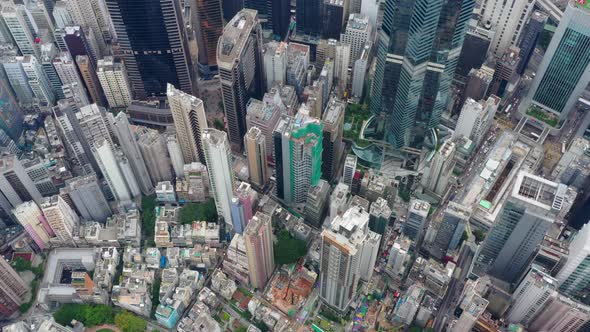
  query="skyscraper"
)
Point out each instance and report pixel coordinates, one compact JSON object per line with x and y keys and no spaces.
{"x":123,"y":187}
{"x":154,"y":45}
{"x":574,"y":276}
{"x":451,"y":229}
{"x":275,"y":63}
{"x":333,"y":121}
{"x":334,"y":16}
{"x":521,"y":225}
{"x":308,"y":17}
{"x":87,"y":69}
{"x":209,"y":27}
{"x":92,"y":15}
{"x":11,"y":114}
{"x":48,"y":52}
{"x":152,"y":145}
{"x":241,"y":207}
{"x":38,"y":81}
{"x":85,"y":194}
{"x":259,"y":249}
{"x":221,"y":177}
{"x":66,"y":69}
{"x":561,"y":313}
{"x":349,"y":170}
{"x":113,"y":79}
{"x":62,"y":219}
{"x":427,"y":40}
{"x":275,"y":14}
{"x":15,"y":18}
{"x":358,"y":32}
{"x":531,"y":295}
{"x":82,"y":159}
{"x":190,"y":122}
{"x":128,"y":142}
{"x":530,"y":37}
{"x":239,"y":59}
{"x":507,"y":18}
{"x":264,"y":116}
{"x":417,"y":215}
{"x":30,"y":216}
{"x":16,"y":186}
{"x":298,"y":156}
{"x":564,"y":72}
{"x":440,"y":168}
{"x":255,"y":144}
{"x":93,"y":122}
{"x":341,"y":257}
{"x":12,"y":290}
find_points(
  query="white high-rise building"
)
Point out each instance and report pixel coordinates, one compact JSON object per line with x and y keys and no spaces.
{"x":152,"y":145}
{"x":349,"y":170}
{"x":94,"y":124}
{"x":341,"y":257}
{"x":61,"y":15}
{"x":16,"y":21}
{"x":574,"y":276}
{"x":275,"y":63}
{"x":92,"y":15}
{"x":114,"y":81}
{"x":128,"y":142}
{"x":562,"y":314}
{"x":476,"y":118}
{"x":108,"y":163}
{"x":18,"y":81}
{"x":66,"y":69}
{"x":359,"y":72}
{"x":370,"y":8}
{"x":175,"y":154}
{"x":341,"y":64}
{"x":62,"y":219}
{"x":221,"y":177}
{"x":436,"y":179}
{"x":38,"y":82}
{"x":507,"y":18}
{"x":339,"y":200}
{"x":190,"y":122}
{"x":358,"y":32}
{"x":531,"y":295}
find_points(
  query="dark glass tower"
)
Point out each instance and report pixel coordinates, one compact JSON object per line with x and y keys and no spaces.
{"x":418,"y":51}
{"x":308,"y":17}
{"x":209,"y":27}
{"x":273,"y":14}
{"x":529,"y":39}
{"x":153,"y":44}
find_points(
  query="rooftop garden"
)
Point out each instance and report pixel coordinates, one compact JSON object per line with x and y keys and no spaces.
{"x":354,"y":117}
{"x":543,"y":116}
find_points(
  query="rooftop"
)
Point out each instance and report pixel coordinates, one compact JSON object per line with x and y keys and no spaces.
{"x":234,"y":37}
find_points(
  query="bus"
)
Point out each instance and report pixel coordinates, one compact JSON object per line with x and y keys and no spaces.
{"x":507,"y":110}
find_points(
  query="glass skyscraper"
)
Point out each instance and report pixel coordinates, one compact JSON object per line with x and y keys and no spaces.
{"x":564,"y":72}
{"x":153,"y":44}
{"x":419,"y":48}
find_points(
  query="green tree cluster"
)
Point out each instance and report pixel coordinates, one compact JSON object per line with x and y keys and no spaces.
{"x":89,"y":315}
{"x":205,"y":211}
{"x":156,"y":295}
{"x":288,"y":249}
{"x":128,"y":322}
{"x":479,"y":235}
{"x":148,"y":217}
{"x":20,"y":264}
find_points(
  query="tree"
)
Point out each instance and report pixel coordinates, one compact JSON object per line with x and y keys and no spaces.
{"x":288,"y":250}
{"x":479,"y":235}
{"x":148,"y":217}
{"x":20,"y":264}
{"x":218,"y":124}
{"x":205,"y":211}
{"x":89,"y":315}
{"x":128,"y":322}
